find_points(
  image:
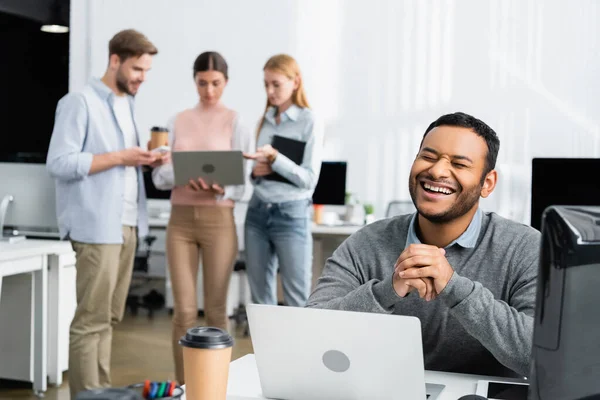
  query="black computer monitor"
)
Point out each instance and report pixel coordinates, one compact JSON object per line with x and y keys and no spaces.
{"x":151,"y":191}
{"x":566,"y":326}
{"x":563,"y":181}
{"x":331,"y":187}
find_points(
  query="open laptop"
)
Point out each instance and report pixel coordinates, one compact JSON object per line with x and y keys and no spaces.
{"x":304,"y":353}
{"x":222,"y":167}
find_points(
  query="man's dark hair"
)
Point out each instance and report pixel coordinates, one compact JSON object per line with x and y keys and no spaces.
{"x":130,"y":43}
{"x":211,"y":61}
{"x":463,"y":120}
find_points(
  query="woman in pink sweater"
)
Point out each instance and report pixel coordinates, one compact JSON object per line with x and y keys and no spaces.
{"x":201,"y":219}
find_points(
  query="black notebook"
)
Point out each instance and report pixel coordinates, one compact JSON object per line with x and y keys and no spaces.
{"x":292,"y":149}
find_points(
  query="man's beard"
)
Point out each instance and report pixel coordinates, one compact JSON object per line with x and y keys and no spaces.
{"x":122,"y":84}
{"x":465,"y":201}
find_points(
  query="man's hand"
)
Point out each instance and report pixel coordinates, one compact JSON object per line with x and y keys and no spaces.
{"x":420,"y":261}
{"x":424,"y":286}
{"x":404,"y":286}
{"x":136,"y":156}
{"x":201,"y":185}
{"x":163,"y":159}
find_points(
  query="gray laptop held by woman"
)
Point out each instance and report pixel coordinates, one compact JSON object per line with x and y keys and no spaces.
{"x":220,"y":167}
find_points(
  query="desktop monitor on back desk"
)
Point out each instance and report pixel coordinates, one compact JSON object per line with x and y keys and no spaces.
{"x":331,"y":187}
{"x":33,"y":209}
{"x":563,"y":181}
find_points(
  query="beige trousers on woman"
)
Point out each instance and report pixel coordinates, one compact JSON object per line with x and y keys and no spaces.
{"x":195,"y":230}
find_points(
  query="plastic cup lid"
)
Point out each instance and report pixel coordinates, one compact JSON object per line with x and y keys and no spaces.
{"x":206,"y":338}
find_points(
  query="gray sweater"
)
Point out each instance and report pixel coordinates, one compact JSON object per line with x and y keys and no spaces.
{"x":481,"y":323}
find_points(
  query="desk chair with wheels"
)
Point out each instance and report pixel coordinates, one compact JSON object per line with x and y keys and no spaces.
{"x":151,"y":301}
{"x":240,"y":317}
{"x":399,"y":207}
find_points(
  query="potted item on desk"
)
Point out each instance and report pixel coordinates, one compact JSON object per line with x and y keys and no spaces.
{"x":318,"y":213}
{"x":369,"y":213}
{"x":351,"y":207}
{"x":322,"y":217}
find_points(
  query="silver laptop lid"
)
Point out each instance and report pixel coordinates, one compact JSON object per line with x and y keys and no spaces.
{"x":326,"y":354}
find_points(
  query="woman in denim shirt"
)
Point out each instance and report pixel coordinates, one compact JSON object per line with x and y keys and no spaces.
{"x":278,"y":223}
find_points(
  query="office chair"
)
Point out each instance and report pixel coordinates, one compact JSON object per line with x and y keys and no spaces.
{"x":152,"y":300}
{"x":140,"y":263}
{"x":240,"y":316}
{"x":399,"y":207}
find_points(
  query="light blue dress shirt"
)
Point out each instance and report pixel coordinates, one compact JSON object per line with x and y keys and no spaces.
{"x":300,"y":124}
{"x":467,"y":240}
{"x":89,"y":207}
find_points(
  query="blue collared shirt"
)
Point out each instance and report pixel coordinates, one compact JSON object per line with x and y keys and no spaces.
{"x":89,"y":207}
{"x":467,"y":240}
{"x":300,"y":124}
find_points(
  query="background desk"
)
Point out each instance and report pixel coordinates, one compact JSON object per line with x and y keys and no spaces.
{"x":244,"y":383}
{"x":325,"y":240}
{"x":37,"y":303}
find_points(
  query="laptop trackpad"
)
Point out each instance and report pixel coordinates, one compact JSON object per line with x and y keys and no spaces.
{"x":433,"y":390}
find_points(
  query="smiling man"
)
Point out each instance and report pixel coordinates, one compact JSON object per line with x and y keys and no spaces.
{"x":96,"y":158}
{"x":468,"y":275}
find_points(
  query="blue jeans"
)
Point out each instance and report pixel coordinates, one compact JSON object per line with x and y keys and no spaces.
{"x":278,"y":236}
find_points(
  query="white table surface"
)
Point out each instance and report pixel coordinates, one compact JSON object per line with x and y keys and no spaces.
{"x":25,"y":249}
{"x":244,"y":383}
{"x":342,"y":230}
{"x":156,"y":222}
{"x":33,"y":247}
{"x":18,"y":258}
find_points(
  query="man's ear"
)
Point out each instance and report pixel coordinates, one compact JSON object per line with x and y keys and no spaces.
{"x":489,"y":183}
{"x":114,"y":61}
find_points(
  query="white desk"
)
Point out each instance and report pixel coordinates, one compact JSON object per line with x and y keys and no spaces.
{"x":334,"y":230}
{"x":155,"y":222}
{"x":30,"y":343}
{"x":325,"y":240}
{"x":244,"y":383}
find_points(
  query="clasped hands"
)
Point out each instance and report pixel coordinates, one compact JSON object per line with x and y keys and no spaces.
{"x":423,"y":268}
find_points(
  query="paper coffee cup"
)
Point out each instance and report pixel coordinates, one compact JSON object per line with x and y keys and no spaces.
{"x":159,"y":136}
{"x":206,"y":358}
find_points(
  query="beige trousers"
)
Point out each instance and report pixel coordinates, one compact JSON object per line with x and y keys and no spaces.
{"x":103,"y":279}
{"x":195,"y":230}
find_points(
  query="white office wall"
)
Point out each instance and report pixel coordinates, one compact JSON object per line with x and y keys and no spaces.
{"x":378,"y":72}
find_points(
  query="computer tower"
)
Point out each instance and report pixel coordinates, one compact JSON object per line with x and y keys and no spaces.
{"x":566,"y":340}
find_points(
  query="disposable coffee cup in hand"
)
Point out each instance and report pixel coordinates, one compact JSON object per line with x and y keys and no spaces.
{"x":206,"y":358}
{"x":159,"y":136}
